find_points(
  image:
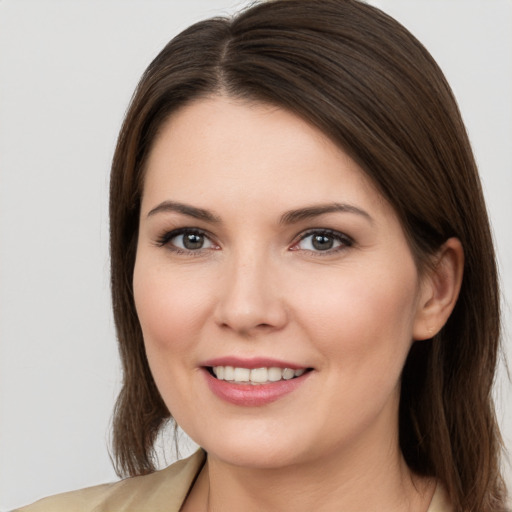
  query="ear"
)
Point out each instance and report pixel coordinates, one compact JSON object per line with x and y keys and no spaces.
{"x":439,"y":290}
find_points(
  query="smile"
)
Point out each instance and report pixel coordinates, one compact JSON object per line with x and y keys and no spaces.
{"x":253,"y":382}
{"x":255,"y":376}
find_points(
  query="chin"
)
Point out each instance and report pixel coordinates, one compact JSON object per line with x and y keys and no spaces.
{"x":270,"y":449}
{"x":255,"y":457}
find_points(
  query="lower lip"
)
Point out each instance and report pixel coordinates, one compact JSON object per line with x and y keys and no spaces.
{"x":249,"y":395}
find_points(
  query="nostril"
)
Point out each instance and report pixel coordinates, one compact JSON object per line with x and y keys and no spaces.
{"x":264,"y":326}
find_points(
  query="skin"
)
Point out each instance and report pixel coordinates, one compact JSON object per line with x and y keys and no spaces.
{"x":258,"y":287}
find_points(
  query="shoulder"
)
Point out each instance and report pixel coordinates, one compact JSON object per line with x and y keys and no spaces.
{"x":163,"y":490}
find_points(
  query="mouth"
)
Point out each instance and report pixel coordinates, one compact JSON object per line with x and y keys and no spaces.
{"x":253,"y":382}
{"x":255,"y":376}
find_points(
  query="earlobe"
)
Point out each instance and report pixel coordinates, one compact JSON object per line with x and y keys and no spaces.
{"x":440,"y":290}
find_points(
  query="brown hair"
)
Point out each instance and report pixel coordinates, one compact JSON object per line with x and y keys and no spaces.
{"x":366,"y":82}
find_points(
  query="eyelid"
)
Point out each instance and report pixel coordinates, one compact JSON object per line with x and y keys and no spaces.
{"x":164,"y":239}
{"x":345,"y":240}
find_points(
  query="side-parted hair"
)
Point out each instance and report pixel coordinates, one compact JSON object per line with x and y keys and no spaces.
{"x":363,"y":80}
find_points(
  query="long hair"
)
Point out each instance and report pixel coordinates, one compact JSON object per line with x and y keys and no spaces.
{"x":367,"y":83}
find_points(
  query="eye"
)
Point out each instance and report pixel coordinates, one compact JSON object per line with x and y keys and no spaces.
{"x":322,"y":241}
{"x":184,"y":240}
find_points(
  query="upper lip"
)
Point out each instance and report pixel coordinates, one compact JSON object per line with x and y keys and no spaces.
{"x":251,"y":363}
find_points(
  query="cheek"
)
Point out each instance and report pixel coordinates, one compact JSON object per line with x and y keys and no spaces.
{"x":364,"y":317}
{"x":170,"y":307}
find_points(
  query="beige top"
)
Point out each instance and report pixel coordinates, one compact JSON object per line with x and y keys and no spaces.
{"x":162,"y":491}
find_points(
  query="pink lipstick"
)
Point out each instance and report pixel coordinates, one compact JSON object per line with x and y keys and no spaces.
{"x":253,"y":382}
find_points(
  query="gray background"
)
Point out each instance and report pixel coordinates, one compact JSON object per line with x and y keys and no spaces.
{"x":67,"y":71}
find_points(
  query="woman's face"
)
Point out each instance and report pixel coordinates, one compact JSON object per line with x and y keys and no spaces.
{"x":266,"y":255}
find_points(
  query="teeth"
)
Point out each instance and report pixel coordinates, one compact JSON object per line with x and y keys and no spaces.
{"x":274,"y":374}
{"x":256,"y":375}
{"x":242,"y":375}
{"x":288,"y":374}
{"x":259,"y":375}
{"x":229,"y":373}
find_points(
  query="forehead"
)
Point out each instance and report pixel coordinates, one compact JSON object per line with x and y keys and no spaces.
{"x":218,"y":147}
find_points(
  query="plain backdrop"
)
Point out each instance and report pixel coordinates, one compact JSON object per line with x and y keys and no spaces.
{"x":67,"y":71}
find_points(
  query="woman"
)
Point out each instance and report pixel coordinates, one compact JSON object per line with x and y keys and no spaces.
{"x":302,"y":274}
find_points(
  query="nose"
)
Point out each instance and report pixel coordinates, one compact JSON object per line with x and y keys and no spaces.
{"x":251,"y":301}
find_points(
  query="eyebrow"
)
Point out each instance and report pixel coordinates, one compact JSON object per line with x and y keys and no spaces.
{"x":310,"y":212}
{"x":185,"y":209}
{"x":290,"y":217}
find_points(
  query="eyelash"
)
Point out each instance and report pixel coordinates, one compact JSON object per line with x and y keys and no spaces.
{"x":344,"y":240}
{"x":165,"y":239}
